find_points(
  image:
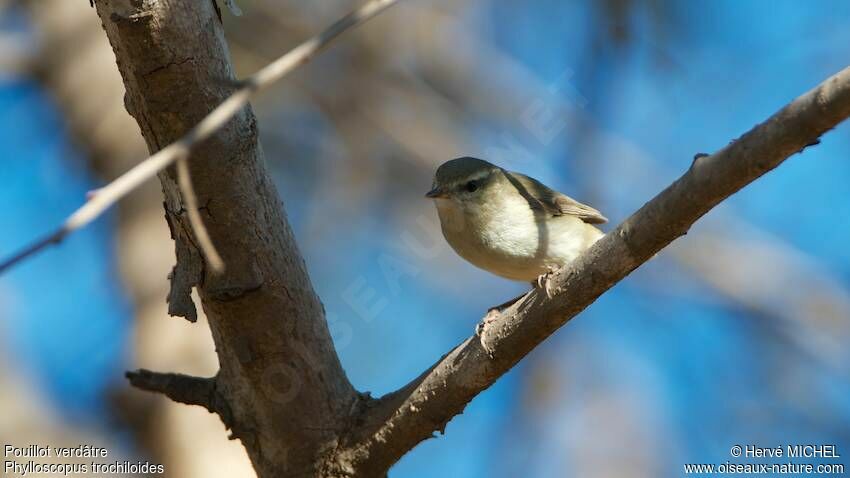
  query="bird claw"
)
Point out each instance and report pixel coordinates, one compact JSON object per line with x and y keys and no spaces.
{"x":491,"y":317}
{"x":544,"y":281}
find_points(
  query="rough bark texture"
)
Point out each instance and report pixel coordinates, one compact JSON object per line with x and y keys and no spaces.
{"x":90,"y":92}
{"x":280,"y":386}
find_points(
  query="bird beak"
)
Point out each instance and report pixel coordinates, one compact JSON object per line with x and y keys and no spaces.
{"x":436,"y":193}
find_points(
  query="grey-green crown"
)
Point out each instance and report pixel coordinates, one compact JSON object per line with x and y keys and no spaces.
{"x":461,"y":169}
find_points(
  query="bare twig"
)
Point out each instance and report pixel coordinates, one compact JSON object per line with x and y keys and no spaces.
{"x":52,"y":238}
{"x":413,"y":413}
{"x":148,"y":168}
{"x":190,"y":201}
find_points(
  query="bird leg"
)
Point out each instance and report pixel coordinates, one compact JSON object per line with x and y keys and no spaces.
{"x":544,"y":281}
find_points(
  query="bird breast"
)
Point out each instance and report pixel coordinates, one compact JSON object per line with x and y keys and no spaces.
{"x":506,"y":237}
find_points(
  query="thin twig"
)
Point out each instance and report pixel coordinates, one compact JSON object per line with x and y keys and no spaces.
{"x":190,"y":203}
{"x":52,"y":238}
{"x":148,"y":168}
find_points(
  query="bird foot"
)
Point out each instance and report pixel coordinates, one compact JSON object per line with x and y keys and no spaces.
{"x":492,"y":315}
{"x":544,"y":281}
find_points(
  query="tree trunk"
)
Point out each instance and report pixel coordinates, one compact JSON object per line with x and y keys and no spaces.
{"x":95,"y":112}
{"x":280,"y":387}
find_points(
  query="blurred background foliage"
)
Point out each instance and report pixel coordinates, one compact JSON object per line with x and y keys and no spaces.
{"x":736,"y":334}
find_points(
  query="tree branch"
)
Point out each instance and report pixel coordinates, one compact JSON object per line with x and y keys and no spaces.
{"x":113,"y":192}
{"x":412,"y":414}
{"x":178,"y":387}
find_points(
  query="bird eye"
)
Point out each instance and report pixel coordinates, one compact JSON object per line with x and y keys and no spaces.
{"x":471,"y":186}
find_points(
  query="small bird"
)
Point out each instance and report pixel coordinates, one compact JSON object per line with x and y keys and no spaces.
{"x":507,"y":223}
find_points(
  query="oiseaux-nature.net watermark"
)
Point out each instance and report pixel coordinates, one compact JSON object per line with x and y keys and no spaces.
{"x":783,"y":460}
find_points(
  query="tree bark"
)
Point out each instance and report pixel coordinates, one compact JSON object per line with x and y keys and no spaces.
{"x":90,"y":92}
{"x":281,"y":388}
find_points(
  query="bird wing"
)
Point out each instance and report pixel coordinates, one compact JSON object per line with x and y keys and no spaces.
{"x":544,"y":198}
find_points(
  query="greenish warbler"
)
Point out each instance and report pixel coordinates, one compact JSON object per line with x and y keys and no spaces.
{"x":507,"y":223}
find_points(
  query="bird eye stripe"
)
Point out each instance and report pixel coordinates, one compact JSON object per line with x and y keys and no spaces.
{"x":480,"y":175}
